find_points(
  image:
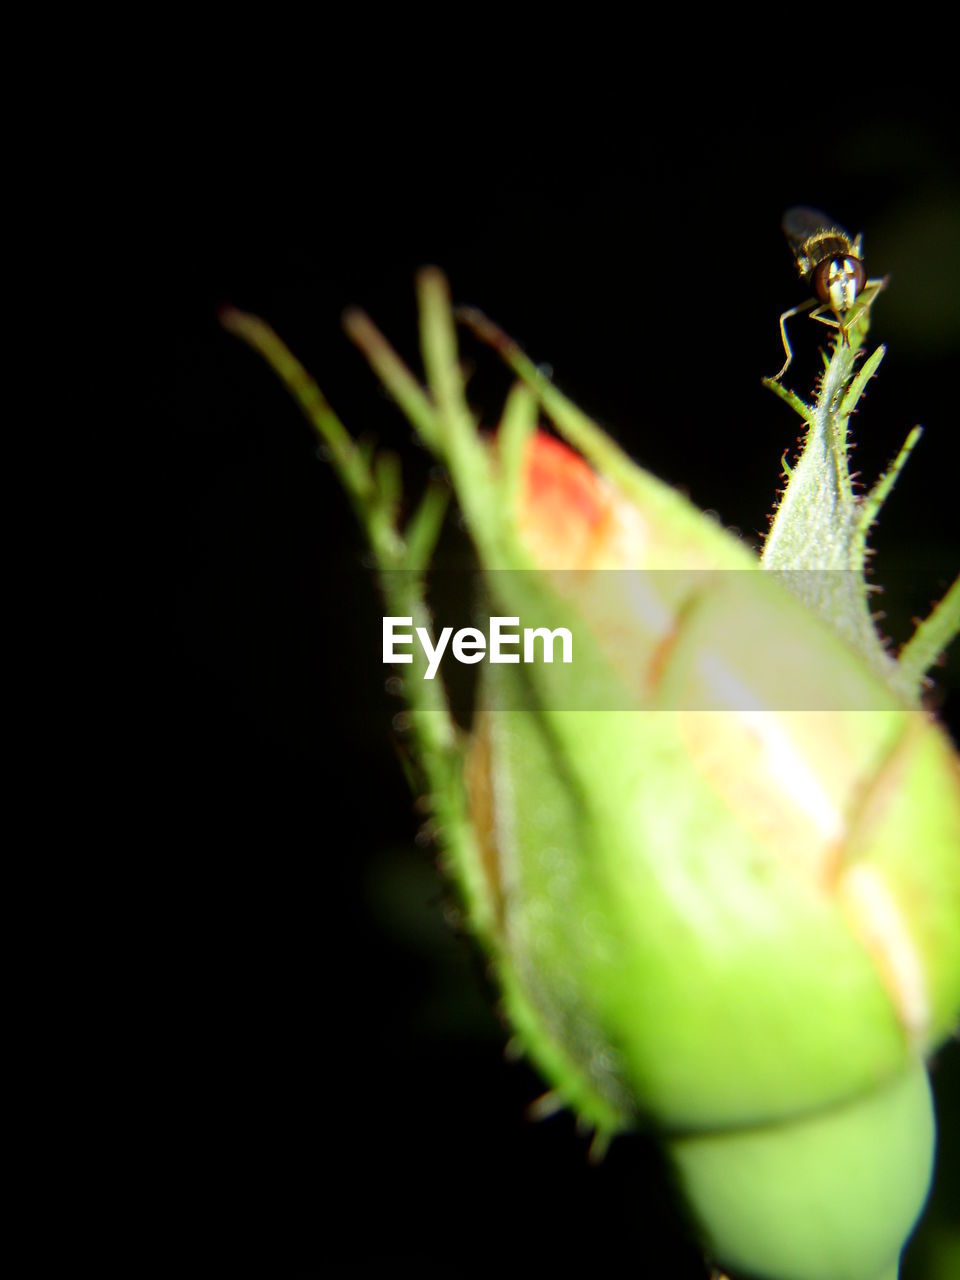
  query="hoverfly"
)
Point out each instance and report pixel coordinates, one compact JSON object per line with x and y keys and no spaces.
{"x":831,"y":263}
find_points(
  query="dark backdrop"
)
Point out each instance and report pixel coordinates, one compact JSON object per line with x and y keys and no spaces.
{"x":323,"y":1078}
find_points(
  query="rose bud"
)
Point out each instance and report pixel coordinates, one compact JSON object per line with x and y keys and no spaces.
{"x":716,"y":862}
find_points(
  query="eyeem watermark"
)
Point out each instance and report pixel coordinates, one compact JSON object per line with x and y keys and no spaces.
{"x":470,"y":644}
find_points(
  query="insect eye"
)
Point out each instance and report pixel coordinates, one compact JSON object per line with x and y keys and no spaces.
{"x":838,"y":281}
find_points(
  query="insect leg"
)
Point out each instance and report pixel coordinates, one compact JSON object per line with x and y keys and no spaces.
{"x":803,"y":306}
{"x":865,"y":300}
{"x":830,"y":320}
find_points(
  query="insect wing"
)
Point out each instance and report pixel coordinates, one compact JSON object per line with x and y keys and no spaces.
{"x":800,"y":223}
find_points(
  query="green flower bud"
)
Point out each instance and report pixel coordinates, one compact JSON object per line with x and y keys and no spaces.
{"x":718,"y":874}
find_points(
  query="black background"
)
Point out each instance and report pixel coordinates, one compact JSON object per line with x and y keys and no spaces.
{"x":316,"y":1077}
